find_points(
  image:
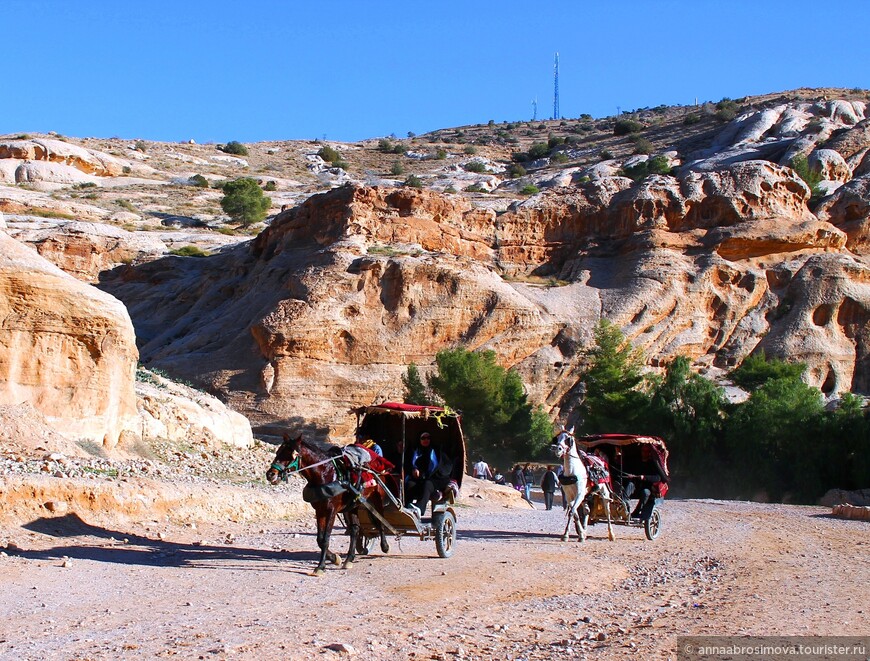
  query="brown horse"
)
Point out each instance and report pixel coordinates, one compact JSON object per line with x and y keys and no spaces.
{"x":321,"y":471}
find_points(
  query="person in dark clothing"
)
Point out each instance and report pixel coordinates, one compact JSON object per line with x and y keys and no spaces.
{"x":425,"y":475}
{"x":548,"y":486}
{"x":641,"y":484}
{"x":518,"y":478}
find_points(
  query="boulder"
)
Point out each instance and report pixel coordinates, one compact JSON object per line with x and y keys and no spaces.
{"x":830,"y":165}
{"x":66,"y":348}
{"x":86,"y":160}
{"x":38,"y":172}
{"x":176,"y":412}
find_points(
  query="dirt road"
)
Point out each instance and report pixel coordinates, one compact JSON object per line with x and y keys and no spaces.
{"x":69,"y":590}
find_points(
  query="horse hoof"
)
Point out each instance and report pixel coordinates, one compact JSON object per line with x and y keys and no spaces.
{"x":317,"y":572}
{"x":347,"y":564}
{"x":611,"y":537}
{"x":385,"y":548}
{"x":564,"y":538}
{"x":336,"y":560}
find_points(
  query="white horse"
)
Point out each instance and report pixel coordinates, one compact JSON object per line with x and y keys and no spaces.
{"x":576,"y":490}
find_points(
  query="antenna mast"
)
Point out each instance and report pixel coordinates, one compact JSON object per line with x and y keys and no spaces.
{"x":556,"y":113}
{"x":535,"y":109}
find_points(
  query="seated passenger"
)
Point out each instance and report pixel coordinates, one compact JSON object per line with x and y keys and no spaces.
{"x":425,"y":475}
{"x":650,"y":476}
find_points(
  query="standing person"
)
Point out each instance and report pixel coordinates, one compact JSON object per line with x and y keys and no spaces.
{"x":548,"y":486}
{"x":529,"y":478}
{"x":481,"y":470}
{"x":518,"y":479}
{"x":418,"y":475}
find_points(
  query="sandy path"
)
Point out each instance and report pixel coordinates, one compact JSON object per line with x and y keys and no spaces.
{"x":512,"y":590}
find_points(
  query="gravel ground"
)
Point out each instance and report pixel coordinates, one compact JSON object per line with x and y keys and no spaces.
{"x":222,"y":590}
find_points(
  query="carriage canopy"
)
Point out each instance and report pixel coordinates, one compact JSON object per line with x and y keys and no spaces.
{"x":396,"y":427}
{"x":623,"y":450}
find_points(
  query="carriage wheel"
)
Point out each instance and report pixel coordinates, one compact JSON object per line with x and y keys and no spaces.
{"x":364,"y":544}
{"x":653,"y":525}
{"x":445,"y":533}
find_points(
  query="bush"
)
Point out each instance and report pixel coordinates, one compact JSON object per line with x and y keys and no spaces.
{"x":516,"y":170}
{"x":470,"y":150}
{"x":530,"y":189}
{"x":140,"y":146}
{"x":198,"y":180}
{"x":726,"y":109}
{"x":654,"y":165}
{"x":559,"y":157}
{"x":270,"y":186}
{"x":234,"y":147}
{"x":691,"y":118}
{"x":626,"y":126}
{"x":450,"y":189}
{"x":605,"y":155}
{"x":441,"y":154}
{"x":538,"y":150}
{"x":643,"y":146}
{"x":413,"y":181}
{"x":188,"y":251}
{"x":475,"y":188}
{"x":475,"y":166}
{"x":329,"y":154}
{"x":397,"y":168}
{"x":244,"y":201}
{"x":812,"y":178}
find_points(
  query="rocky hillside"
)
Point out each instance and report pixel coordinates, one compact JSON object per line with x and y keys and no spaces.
{"x":689,"y":227}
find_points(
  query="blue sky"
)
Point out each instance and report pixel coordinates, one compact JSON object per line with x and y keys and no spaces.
{"x":256,"y":70}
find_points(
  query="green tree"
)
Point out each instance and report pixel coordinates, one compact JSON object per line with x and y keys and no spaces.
{"x":614,"y":401}
{"x":244,"y":201}
{"x":497,"y":417}
{"x":757,"y":369}
{"x":416,"y":391}
{"x":688,"y":411}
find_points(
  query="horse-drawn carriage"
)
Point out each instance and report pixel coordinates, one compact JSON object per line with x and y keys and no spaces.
{"x":605,"y":471}
{"x":397,"y":428}
{"x":370,"y":483}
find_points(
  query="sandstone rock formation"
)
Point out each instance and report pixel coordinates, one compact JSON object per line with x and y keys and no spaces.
{"x":326,"y":307}
{"x":66,"y":348}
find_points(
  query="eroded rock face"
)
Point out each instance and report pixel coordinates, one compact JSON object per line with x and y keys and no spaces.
{"x":65,"y":347}
{"x":326,"y":308}
{"x":57,"y":151}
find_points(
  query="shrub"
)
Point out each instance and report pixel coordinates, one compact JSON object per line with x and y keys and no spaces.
{"x":441,"y":154}
{"x":726,"y":109}
{"x":516,"y":170}
{"x":559,"y":157}
{"x":126,"y":204}
{"x":188,"y":251}
{"x":654,"y":165}
{"x":413,"y":181}
{"x":140,"y":146}
{"x":450,"y":189}
{"x":198,"y":180}
{"x":340,"y":163}
{"x":538,"y":150}
{"x":643,"y":146}
{"x":626,"y":126}
{"x":470,"y":150}
{"x":529,"y":189}
{"x":397,"y":168}
{"x":475,"y":166}
{"x":605,"y":155}
{"x":244,"y":201}
{"x":553,"y":141}
{"x":691,"y":118}
{"x":812,"y":178}
{"x":329,"y":154}
{"x":270,"y":186}
{"x":475,"y":188}
{"x":234,"y":147}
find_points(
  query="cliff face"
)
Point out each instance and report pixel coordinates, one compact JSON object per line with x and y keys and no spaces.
{"x":324,"y":310}
{"x":66,"y":348}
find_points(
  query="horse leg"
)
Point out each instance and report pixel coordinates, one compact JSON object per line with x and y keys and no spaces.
{"x":353,"y":525}
{"x":606,"y":499}
{"x":385,"y":545}
{"x":325,"y":523}
{"x":583,"y":522}
{"x":571,"y":512}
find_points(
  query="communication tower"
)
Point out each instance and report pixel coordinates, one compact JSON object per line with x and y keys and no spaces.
{"x":556,"y":114}
{"x":535,"y":109}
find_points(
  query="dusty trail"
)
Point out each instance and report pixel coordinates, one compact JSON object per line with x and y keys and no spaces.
{"x":512,"y":590}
